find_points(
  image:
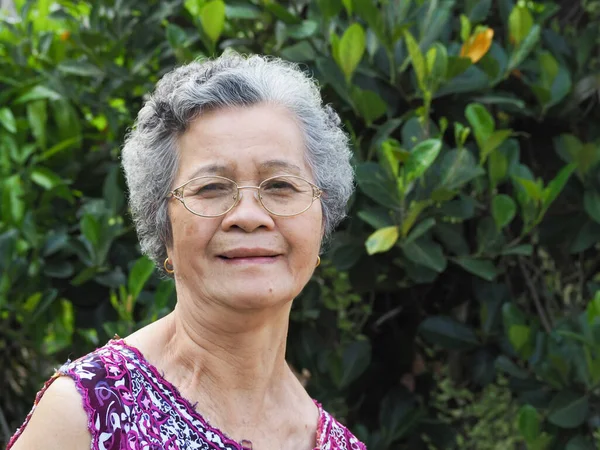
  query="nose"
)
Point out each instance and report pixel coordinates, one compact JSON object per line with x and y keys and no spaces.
{"x":248,"y":214}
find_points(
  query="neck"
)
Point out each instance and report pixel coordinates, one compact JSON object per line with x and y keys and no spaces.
{"x":239,"y":357}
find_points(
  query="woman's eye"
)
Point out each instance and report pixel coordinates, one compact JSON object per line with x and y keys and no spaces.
{"x":211,"y":189}
{"x":279,"y":186}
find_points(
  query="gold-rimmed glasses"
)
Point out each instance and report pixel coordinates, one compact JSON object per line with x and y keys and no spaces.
{"x":214,"y":196}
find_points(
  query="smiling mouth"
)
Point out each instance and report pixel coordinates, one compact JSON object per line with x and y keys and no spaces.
{"x":250,"y":259}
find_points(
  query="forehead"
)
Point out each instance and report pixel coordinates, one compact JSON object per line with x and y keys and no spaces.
{"x":260,"y":140}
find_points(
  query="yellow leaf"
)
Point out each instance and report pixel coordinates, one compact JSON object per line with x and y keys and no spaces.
{"x":382,"y":240}
{"x":477,"y":45}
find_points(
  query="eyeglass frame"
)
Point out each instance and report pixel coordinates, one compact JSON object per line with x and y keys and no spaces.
{"x":178,"y":194}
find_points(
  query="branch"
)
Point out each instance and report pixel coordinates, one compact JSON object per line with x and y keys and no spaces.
{"x":536,"y":297}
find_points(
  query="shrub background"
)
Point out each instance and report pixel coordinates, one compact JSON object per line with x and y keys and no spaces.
{"x":458,"y":306}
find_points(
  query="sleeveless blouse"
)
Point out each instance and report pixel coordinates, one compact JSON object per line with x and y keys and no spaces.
{"x":130,"y":406}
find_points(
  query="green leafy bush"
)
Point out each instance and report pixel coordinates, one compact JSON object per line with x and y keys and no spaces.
{"x":471,"y":242}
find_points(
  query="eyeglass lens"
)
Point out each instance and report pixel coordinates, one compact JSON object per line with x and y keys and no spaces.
{"x":213,"y":196}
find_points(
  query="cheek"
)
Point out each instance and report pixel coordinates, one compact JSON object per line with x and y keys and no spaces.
{"x":190,"y":235}
{"x":306,"y":236}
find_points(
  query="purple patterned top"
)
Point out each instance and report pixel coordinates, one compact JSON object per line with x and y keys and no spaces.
{"x":130,"y":406}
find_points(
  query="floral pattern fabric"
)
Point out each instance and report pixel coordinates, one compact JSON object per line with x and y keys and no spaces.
{"x":130,"y":406}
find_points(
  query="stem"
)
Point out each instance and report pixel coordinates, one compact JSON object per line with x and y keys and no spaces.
{"x":535,"y":296}
{"x":392,"y":61}
{"x":427,"y":106}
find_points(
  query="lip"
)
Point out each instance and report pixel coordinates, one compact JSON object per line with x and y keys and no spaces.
{"x":244,"y":255}
{"x":250,"y":260}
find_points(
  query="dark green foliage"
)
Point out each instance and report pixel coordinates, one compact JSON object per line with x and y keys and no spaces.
{"x":469,"y":257}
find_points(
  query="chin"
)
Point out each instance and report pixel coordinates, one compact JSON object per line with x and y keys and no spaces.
{"x":257,"y":293}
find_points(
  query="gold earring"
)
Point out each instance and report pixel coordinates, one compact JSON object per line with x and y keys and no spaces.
{"x":171,"y":270}
{"x":318,"y":261}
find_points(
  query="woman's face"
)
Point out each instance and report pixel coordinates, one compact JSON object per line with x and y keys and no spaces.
{"x":247,"y":258}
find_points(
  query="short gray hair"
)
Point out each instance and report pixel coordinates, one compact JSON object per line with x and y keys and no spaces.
{"x":150,"y":157}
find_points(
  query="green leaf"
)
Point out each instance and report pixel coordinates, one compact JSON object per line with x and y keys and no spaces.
{"x":91,"y":229}
{"x":329,"y":8}
{"x":556,"y":186}
{"x":579,"y":443}
{"x":523,"y":250}
{"x":414,"y":211}
{"x":60,"y":269}
{"x":593,"y":308}
{"x":7,"y":119}
{"x":420,"y":230}
{"x":351,"y":49}
{"x":38,"y":92}
{"x":571,"y":149}
{"x":139,"y":275}
{"x":465,"y":27}
{"x":591,"y":202}
{"x":533,"y":189}
{"x":377,"y":184}
{"x":457,"y":168}
{"x":478,"y":10}
{"x":391,"y":155}
{"x":457,"y":65}
{"x":549,"y":67}
{"x":382,"y":240}
{"x":417,"y":59}
{"x":242,"y":11}
{"x":482,"y":268}
{"x":356,"y":359}
{"x":494,"y":141}
{"x":504,"y":364}
{"x":425,"y":252}
{"x":529,"y":423}
{"x":300,"y":52}
{"x":281,"y":12}
{"x":373,"y":15}
{"x":85,"y":275}
{"x":38,"y":116}
{"x":303,"y":30}
{"x":568,"y":409}
{"x":448,"y":333}
{"x":520,"y":23}
{"x":13,"y":205}
{"x":587,"y":236}
{"x":45,"y":178}
{"x":497,"y":168}
{"x":421,"y":158}
{"x":377,"y":217}
{"x":504,"y":209}
{"x":481,"y":122}
{"x":520,"y":53}
{"x":437,"y":65}
{"x":348,"y":6}
{"x":369,"y":104}
{"x":112,"y":191}
{"x":212,"y":18}
{"x":519,"y":337}
{"x":80,"y":68}
{"x":334,"y":40}
{"x":194,"y":7}
{"x":176,"y":35}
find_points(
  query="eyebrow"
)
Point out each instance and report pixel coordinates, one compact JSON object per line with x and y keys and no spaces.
{"x":270,"y":165}
{"x":275,"y":164}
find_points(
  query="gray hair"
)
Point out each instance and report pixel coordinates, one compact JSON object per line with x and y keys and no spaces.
{"x":150,"y":157}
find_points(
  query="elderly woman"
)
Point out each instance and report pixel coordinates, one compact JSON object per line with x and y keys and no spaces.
{"x":236,"y":173}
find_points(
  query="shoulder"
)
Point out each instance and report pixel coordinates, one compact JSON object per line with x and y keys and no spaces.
{"x":333,"y":435}
{"x":75,"y":395}
{"x":58,"y":420}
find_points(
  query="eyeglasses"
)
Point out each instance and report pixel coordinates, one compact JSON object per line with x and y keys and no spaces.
{"x":214,"y":196}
